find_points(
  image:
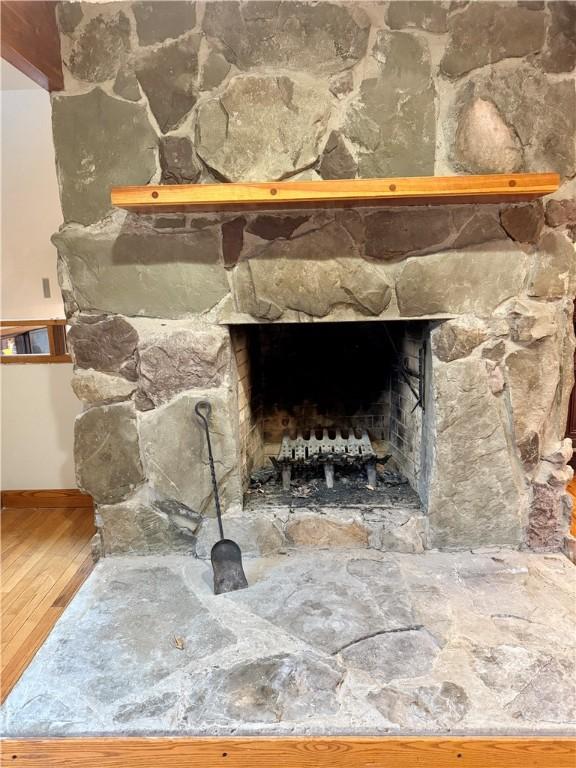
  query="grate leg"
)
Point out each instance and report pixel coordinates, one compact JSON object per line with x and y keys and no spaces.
{"x":286,"y":476}
{"x":371,"y":472}
{"x":329,"y":474}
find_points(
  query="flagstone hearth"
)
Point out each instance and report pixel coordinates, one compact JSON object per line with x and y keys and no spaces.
{"x":330,"y":642}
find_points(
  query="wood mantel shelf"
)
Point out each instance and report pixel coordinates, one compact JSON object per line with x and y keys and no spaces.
{"x":418,"y":190}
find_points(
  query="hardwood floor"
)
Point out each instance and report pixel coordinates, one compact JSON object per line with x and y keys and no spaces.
{"x":45,"y":557}
{"x":572,"y":487}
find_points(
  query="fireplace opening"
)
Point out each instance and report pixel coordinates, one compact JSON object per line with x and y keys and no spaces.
{"x":332,"y":414}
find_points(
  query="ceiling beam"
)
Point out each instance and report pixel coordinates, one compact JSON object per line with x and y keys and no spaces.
{"x":30,"y":41}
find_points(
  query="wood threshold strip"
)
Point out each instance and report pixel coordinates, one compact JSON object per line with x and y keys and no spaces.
{"x":423,"y":190}
{"x":50,"y":498}
{"x":34,"y":359}
{"x":265,"y":752}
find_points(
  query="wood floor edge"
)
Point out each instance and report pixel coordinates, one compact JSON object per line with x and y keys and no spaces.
{"x":292,"y":752}
{"x":48,"y":497}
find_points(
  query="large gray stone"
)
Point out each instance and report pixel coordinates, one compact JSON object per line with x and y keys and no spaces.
{"x":137,"y":615}
{"x":533,"y":376}
{"x":272,"y":227}
{"x":484,"y":506}
{"x":99,"y":47}
{"x":530,"y":320}
{"x":152,"y":707}
{"x":313,"y":274}
{"x":168,"y":76}
{"x":175,"y":456}
{"x":393,"y":120}
{"x":318,"y":38}
{"x":481,"y":227}
{"x":561,"y":213}
{"x":550,"y":697}
{"x":484,"y":33}
{"x":506,"y":668}
{"x":335,"y":608}
{"x":178,"y":161}
{"x":442,"y":704}
{"x":258,"y":535}
{"x":559,"y":54}
{"x":455,"y":339}
{"x":484,"y":142}
{"x":137,"y":527}
{"x":402,"y":653}
{"x":176,"y":359}
{"x":232,"y":240}
{"x":156,"y":21}
{"x":275,"y":689}
{"x":106,"y":452}
{"x":422,"y":14}
{"x":102,"y":343}
{"x":554,"y":272}
{"x":126,"y":85}
{"x":475,"y":281}
{"x":548,"y":519}
{"x":523,"y":222}
{"x":69,"y":15}
{"x":385,"y":580}
{"x":515,"y":119}
{"x":410,"y":537}
{"x":134,"y":270}
{"x":262,"y":127}
{"x":342,"y":84}
{"x":392,"y":233}
{"x":94,"y":387}
{"x":337,"y":161}
{"x":322,"y":531}
{"x":100,"y":141}
{"x":214,"y":70}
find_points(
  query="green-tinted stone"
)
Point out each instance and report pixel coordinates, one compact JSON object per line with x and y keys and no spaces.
{"x":100,"y":141}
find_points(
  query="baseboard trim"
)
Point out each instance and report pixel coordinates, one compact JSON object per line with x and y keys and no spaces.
{"x":45,"y":498}
{"x":263,"y":752}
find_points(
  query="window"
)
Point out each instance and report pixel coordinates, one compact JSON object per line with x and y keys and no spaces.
{"x":33,"y":341}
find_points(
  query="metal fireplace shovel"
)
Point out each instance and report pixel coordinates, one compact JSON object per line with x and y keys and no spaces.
{"x":226,"y":555}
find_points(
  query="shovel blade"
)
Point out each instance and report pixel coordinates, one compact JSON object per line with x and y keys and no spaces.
{"x":227,"y":566}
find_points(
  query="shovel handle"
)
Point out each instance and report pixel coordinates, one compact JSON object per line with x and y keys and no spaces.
{"x":203,"y":410}
{"x":203,"y":405}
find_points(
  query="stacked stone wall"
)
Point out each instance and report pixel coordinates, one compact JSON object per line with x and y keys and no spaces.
{"x":184,"y":92}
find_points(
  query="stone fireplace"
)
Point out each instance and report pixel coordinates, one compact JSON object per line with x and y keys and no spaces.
{"x":443,"y":331}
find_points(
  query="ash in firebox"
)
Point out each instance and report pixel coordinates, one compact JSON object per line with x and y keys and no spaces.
{"x":308,"y":488}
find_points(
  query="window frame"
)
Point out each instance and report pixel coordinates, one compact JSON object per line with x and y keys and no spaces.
{"x":56,"y":338}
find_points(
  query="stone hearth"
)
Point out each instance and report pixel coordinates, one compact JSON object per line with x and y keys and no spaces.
{"x":170,"y":309}
{"x":345,"y":642}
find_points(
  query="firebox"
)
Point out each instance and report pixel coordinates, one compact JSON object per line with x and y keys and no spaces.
{"x":341,"y":404}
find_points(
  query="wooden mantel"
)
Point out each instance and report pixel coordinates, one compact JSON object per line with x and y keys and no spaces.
{"x":421,"y":190}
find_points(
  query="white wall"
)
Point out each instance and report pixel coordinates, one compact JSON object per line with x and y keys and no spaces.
{"x":31,"y":210}
{"x":38,"y":406}
{"x":38,"y":409}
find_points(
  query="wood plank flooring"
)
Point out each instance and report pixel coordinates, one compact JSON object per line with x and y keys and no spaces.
{"x":572,"y":488}
{"x":45,"y":556}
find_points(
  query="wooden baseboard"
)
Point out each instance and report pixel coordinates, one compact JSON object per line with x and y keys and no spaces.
{"x":388,"y":752}
{"x":51,"y":497}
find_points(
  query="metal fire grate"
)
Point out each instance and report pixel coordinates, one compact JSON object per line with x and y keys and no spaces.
{"x":331,"y":448}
